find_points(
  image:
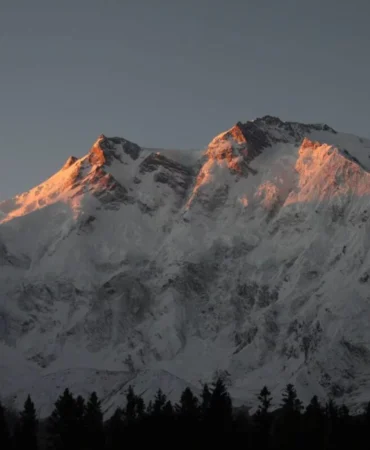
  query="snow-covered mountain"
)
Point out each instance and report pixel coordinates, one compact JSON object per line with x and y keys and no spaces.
{"x":160,"y":268}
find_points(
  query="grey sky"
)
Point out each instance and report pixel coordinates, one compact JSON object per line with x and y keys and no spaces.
{"x":170,"y":73}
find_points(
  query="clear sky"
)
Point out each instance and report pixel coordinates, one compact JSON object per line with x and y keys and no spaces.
{"x":170,"y":73}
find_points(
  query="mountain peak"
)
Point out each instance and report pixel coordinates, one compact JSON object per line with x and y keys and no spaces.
{"x":268,"y":119}
{"x":70,"y":161}
{"x":106,"y":149}
{"x":256,"y":252}
{"x":251,"y":137}
{"x":276,"y":122}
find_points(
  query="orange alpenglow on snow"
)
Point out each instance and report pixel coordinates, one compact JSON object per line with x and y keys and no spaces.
{"x":66,"y":186}
{"x":324,"y":173}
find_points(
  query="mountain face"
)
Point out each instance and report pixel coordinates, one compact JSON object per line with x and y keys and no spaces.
{"x":162,"y":268}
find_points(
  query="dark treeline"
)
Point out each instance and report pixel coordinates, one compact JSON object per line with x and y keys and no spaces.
{"x":76,"y":424}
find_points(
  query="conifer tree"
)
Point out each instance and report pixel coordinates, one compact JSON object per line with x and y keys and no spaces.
{"x":25,"y":436}
{"x":287,"y":427}
{"x":93,"y":424}
{"x":332,"y":424}
{"x":265,"y":400}
{"x":157,"y":412}
{"x":220,"y":414}
{"x":64,"y":423}
{"x":130,"y":410}
{"x":291,"y":402}
{"x":262,"y":419}
{"x":344,"y":435}
{"x":140,"y":409}
{"x":206,"y":400}
{"x":188,"y":409}
{"x":114,"y":431}
{"x":134,"y":411}
{"x":159,"y":403}
{"x":367,"y":415}
{"x":168,"y":411}
{"x":5,"y":438}
{"x":364,"y":434}
{"x":149,"y":409}
{"x":314,"y":425}
{"x":80,"y":408}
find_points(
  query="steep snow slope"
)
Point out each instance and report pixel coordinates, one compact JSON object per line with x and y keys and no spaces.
{"x":162,"y":268}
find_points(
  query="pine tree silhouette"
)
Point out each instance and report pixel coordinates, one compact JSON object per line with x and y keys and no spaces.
{"x":114,"y":431}
{"x":159,"y":403}
{"x":314,"y":425}
{"x":364,"y":433}
{"x":80,"y":426}
{"x":140,"y":409}
{"x":130,"y":410}
{"x":219,"y":415}
{"x":265,"y":399}
{"x":367,"y":415}
{"x":188,"y":410}
{"x":332,"y":415}
{"x":134,"y":412}
{"x":168,"y":411}
{"x":291,"y":402}
{"x":206,"y":401}
{"x":5,"y":438}
{"x":64,"y":424}
{"x":287,"y":428}
{"x":344,"y":435}
{"x":93,"y":424}
{"x":262,"y":419}
{"x":157,"y":413}
{"x":25,"y":435}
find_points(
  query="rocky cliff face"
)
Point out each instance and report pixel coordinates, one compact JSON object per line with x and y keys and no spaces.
{"x":161,"y":268}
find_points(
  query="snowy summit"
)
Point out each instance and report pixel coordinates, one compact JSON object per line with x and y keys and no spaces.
{"x":160,"y":268}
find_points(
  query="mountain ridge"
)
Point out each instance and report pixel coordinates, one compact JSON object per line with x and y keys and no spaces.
{"x":162,"y":268}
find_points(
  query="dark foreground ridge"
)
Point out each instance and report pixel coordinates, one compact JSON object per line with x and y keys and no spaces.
{"x":75,"y":424}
